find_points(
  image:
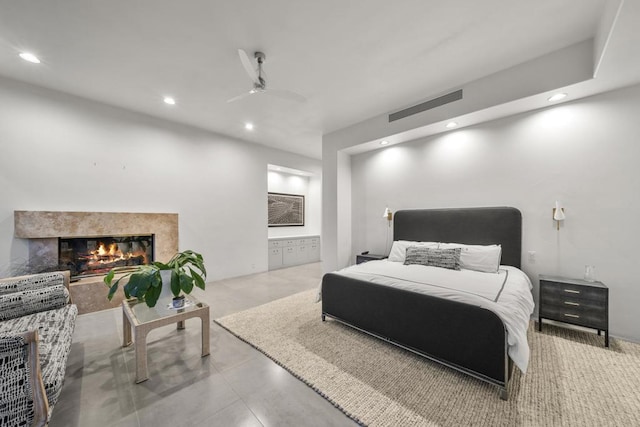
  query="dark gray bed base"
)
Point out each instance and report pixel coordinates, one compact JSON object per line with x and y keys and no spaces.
{"x":467,"y":338}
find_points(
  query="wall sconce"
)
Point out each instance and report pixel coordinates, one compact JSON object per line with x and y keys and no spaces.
{"x":558,"y":214}
{"x":388,"y":215}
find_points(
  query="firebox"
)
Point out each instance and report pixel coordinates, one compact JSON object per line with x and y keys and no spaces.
{"x":93,"y":256}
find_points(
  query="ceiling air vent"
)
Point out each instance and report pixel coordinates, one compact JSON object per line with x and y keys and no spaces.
{"x":427,"y":105}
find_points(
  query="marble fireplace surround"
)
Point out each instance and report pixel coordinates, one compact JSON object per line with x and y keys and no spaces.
{"x":43,"y":228}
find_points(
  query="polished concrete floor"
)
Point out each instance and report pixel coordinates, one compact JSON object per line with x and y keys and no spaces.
{"x":235,"y":386}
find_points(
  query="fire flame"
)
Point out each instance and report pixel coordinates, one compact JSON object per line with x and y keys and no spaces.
{"x":113,"y":250}
{"x":104,"y":255}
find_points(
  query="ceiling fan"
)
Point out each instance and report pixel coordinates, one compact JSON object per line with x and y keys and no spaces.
{"x":259,"y":81}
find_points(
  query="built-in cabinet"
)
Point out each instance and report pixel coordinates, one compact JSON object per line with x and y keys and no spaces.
{"x":289,"y":251}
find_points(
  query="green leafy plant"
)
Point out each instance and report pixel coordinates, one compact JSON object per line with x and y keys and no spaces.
{"x":145,"y":281}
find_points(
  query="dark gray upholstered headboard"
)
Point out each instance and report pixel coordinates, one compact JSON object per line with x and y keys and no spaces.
{"x":473,"y":226}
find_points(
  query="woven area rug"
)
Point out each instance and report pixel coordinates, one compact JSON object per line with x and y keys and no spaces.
{"x":572,"y":379}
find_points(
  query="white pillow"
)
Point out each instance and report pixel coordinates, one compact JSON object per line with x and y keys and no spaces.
{"x":399,"y":248}
{"x":477,"y":257}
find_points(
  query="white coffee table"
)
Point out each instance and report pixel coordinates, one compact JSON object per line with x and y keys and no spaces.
{"x":142,"y":319}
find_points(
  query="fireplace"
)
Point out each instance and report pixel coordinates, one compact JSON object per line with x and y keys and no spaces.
{"x":93,"y":256}
{"x":42,"y":231}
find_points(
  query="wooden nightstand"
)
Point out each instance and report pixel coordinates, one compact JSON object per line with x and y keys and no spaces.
{"x":575,"y":301}
{"x":368,"y":257}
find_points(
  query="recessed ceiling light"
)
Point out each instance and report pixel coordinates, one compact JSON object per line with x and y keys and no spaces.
{"x":451,"y":125}
{"x":29,"y":57}
{"x":384,"y":142}
{"x":248,"y":126}
{"x":169,"y":100}
{"x":557,"y":97}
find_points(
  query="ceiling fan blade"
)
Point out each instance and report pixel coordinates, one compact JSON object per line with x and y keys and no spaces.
{"x":241,"y":96}
{"x":248,"y":66}
{"x":286,"y":94}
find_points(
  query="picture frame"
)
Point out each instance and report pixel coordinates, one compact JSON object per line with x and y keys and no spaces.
{"x":285,"y":210}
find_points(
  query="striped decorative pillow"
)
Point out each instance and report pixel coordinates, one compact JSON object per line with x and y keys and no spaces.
{"x":443,"y":258}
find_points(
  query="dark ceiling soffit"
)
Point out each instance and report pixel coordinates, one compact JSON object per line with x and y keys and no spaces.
{"x":427,"y":105}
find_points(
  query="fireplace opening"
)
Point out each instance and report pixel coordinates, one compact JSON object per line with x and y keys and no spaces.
{"x":94,"y":256}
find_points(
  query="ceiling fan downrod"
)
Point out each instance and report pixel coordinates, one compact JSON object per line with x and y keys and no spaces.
{"x":261,"y":84}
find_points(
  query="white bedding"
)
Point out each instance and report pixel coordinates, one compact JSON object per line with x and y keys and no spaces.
{"x":506,"y":293}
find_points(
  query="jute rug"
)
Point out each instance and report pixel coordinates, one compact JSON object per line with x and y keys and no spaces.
{"x":572,"y":379}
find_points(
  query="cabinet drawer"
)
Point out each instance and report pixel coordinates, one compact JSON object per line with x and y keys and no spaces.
{"x":290,"y":256}
{"x":581,"y":316}
{"x":292,"y":242}
{"x":275,"y":244}
{"x":314,"y":253}
{"x":562,"y":290}
{"x":275,"y":258}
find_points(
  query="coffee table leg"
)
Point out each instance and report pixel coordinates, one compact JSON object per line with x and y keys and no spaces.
{"x":126,"y":330}
{"x":205,"y":332}
{"x":181,"y":324}
{"x":141,"y":354}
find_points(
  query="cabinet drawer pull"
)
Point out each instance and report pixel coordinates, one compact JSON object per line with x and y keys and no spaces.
{"x":572,"y":315}
{"x":571,"y":291}
{"x":572,"y":303}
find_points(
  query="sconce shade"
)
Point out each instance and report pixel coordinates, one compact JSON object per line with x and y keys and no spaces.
{"x":388,"y":215}
{"x":558,"y":212}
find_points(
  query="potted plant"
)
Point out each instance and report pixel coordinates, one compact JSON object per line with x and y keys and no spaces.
{"x":186,"y":269}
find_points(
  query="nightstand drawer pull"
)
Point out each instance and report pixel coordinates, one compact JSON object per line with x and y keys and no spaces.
{"x":572,"y":291}
{"x":572,"y":315}
{"x":572,"y":303}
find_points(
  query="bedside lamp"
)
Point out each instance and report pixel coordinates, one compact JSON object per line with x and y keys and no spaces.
{"x":558,"y":214}
{"x":388,"y":215}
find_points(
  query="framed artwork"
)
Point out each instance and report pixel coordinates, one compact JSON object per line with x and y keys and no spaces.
{"x":285,"y":210}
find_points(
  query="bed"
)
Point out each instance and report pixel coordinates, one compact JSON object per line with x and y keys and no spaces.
{"x":463,"y":336}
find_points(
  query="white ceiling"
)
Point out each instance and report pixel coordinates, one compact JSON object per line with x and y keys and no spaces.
{"x":352,"y":59}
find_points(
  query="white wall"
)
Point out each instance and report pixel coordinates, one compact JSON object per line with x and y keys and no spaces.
{"x":345,"y":219}
{"x":307,"y":186}
{"x":583,"y":153}
{"x":59,"y":152}
{"x":336,"y":199}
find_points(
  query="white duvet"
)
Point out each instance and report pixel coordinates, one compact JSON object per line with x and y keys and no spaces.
{"x":506,"y":293}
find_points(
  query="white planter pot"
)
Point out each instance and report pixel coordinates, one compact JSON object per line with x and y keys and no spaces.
{"x":166,"y":295}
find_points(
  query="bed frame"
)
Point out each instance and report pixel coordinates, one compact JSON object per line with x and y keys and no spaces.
{"x":464,"y":337}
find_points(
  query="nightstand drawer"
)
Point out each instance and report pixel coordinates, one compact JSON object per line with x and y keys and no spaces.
{"x":568,"y":290}
{"x":562,"y":301}
{"x":581,"y":316}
